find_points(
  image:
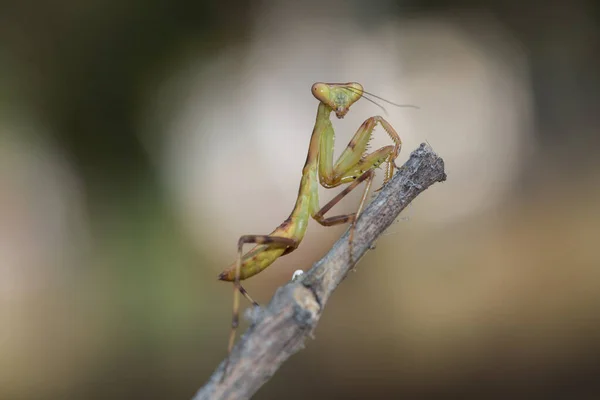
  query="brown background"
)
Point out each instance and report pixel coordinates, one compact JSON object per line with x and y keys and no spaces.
{"x":139,"y":139}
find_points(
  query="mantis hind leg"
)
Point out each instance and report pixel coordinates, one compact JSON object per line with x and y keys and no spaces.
{"x":271,"y":241}
{"x":244,"y":293}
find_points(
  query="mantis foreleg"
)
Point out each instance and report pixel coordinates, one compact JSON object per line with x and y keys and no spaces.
{"x":354,"y":161}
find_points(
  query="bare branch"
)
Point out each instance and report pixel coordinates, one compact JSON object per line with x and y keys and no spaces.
{"x":278,"y":331}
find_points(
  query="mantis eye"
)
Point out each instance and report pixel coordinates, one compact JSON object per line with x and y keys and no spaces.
{"x":321,"y":92}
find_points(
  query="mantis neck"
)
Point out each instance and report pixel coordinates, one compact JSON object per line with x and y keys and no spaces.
{"x":312,"y":159}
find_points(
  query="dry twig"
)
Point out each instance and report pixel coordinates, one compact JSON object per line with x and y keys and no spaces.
{"x":279,"y":330}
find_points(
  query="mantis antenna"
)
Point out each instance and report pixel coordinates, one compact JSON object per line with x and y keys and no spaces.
{"x":362,"y":94}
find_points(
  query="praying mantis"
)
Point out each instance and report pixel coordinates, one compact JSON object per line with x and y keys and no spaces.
{"x":354,"y":166}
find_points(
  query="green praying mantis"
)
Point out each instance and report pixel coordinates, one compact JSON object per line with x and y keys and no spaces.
{"x":354,"y":166}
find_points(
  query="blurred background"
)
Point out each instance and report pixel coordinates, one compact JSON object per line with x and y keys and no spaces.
{"x":140,"y":139}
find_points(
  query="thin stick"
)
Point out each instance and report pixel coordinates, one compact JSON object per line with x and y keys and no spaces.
{"x":279,"y":330}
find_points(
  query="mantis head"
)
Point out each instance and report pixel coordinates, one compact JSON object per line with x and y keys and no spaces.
{"x":338,"y":96}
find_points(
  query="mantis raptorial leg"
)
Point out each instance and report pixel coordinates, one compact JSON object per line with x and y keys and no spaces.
{"x":354,"y":166}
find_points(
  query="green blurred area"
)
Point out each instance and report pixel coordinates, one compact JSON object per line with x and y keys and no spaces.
{"x":105,"y":292}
